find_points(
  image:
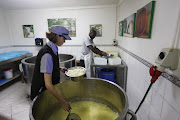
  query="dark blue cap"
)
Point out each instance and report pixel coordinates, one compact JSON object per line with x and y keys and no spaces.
{"x":60,"y":30}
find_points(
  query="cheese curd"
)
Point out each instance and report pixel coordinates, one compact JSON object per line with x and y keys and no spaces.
{"x":76,"y":72}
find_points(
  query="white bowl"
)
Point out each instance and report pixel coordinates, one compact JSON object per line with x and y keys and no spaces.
{"x":76,"y":78}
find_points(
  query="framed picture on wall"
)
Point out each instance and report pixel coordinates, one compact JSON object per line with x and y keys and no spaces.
{"x":128,"y":26}
{"x":120,"y":33}
{"x":97,"y":28}
{"x":28,"y":31}
{"x":144,"y":21}
{"x":68,"y":23}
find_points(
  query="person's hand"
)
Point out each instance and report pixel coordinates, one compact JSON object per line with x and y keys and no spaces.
{"x":66,"y":106}
{"x":104,"y":53}
{"x":63,"y":69}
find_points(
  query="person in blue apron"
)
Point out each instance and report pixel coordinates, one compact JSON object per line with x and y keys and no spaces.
{"x":88,"y":47}
{"x":47,"y":71}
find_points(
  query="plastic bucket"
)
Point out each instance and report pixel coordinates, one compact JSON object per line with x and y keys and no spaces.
{"x":8,"y":73}
{"x":107,"y":74}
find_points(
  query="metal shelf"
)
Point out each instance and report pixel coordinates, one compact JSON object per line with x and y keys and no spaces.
{"x":12,"y":63}
{"x":16,"y":75}
{"x":121,"y":72}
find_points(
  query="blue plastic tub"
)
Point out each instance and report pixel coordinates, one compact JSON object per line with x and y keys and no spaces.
{"x":98,"y":69}
{"x":108,"y":74}
{"x":10,"y":55}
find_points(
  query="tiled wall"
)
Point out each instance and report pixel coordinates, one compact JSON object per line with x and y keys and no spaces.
{"x":163,"y":100}
{"x":6,"y":49}
{"x":69,"y":49}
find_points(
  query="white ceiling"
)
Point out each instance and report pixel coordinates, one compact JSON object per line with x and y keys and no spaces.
{"x":48,"y":4}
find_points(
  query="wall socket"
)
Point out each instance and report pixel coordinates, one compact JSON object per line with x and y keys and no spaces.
{"x":115,"y":42}
{"x":168,"y":58}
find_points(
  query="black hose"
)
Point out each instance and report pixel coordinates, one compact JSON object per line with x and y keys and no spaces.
{"x":144,"y":97}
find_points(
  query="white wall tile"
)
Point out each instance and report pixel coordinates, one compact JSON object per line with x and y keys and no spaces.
{"x":68,"y":49}
{"x":138,"y":116}
{"x":6,"y":49}
{"x":130,"y":77}
{"x":159,"y":85}
{"x":141,"y":84}
{"x":5,"y":39}
{"x":149,"y":95}
{"x":143,"y":70}
{"x":144,"y":110}
{"x":134,"y":99}
{"x":169,"y":113}
{"x":153,"y":114}
{"x":172,"y":95}
{"x":74,"y":53}
{"x":79,"y":56}
{"x":63,"y":49}
{"x":139,"y":96}
{"x":59,"y":50}
{"x":137,"y":78}
{"x":147,"y":76}
{"x":72,"y":49}
{"x":79,"y":48}
{"x":157,"y":101}
{"x":135,"y":66}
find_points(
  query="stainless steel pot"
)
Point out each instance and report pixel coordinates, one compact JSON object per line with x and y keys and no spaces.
{"x":66,"y":60}
{"x":98,"y":90}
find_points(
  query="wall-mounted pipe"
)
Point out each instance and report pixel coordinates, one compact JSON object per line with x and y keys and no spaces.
{"x":177,"y":31}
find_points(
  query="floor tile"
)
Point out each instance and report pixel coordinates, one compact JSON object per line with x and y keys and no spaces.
{"x":20,"y":107}
{"x":24,"y":115}
{"x":13,"y":101}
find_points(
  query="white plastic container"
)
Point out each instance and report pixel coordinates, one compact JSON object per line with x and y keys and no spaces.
{"x":114,"y":61}
{"x":8,"y":73}
{"x":113,"y":53}
{"x":100,"y":61}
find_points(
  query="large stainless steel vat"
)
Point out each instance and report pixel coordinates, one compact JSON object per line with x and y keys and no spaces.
{"x":66,"y":60}
{"x":28,"y":68}
{"x":87,"y":89}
